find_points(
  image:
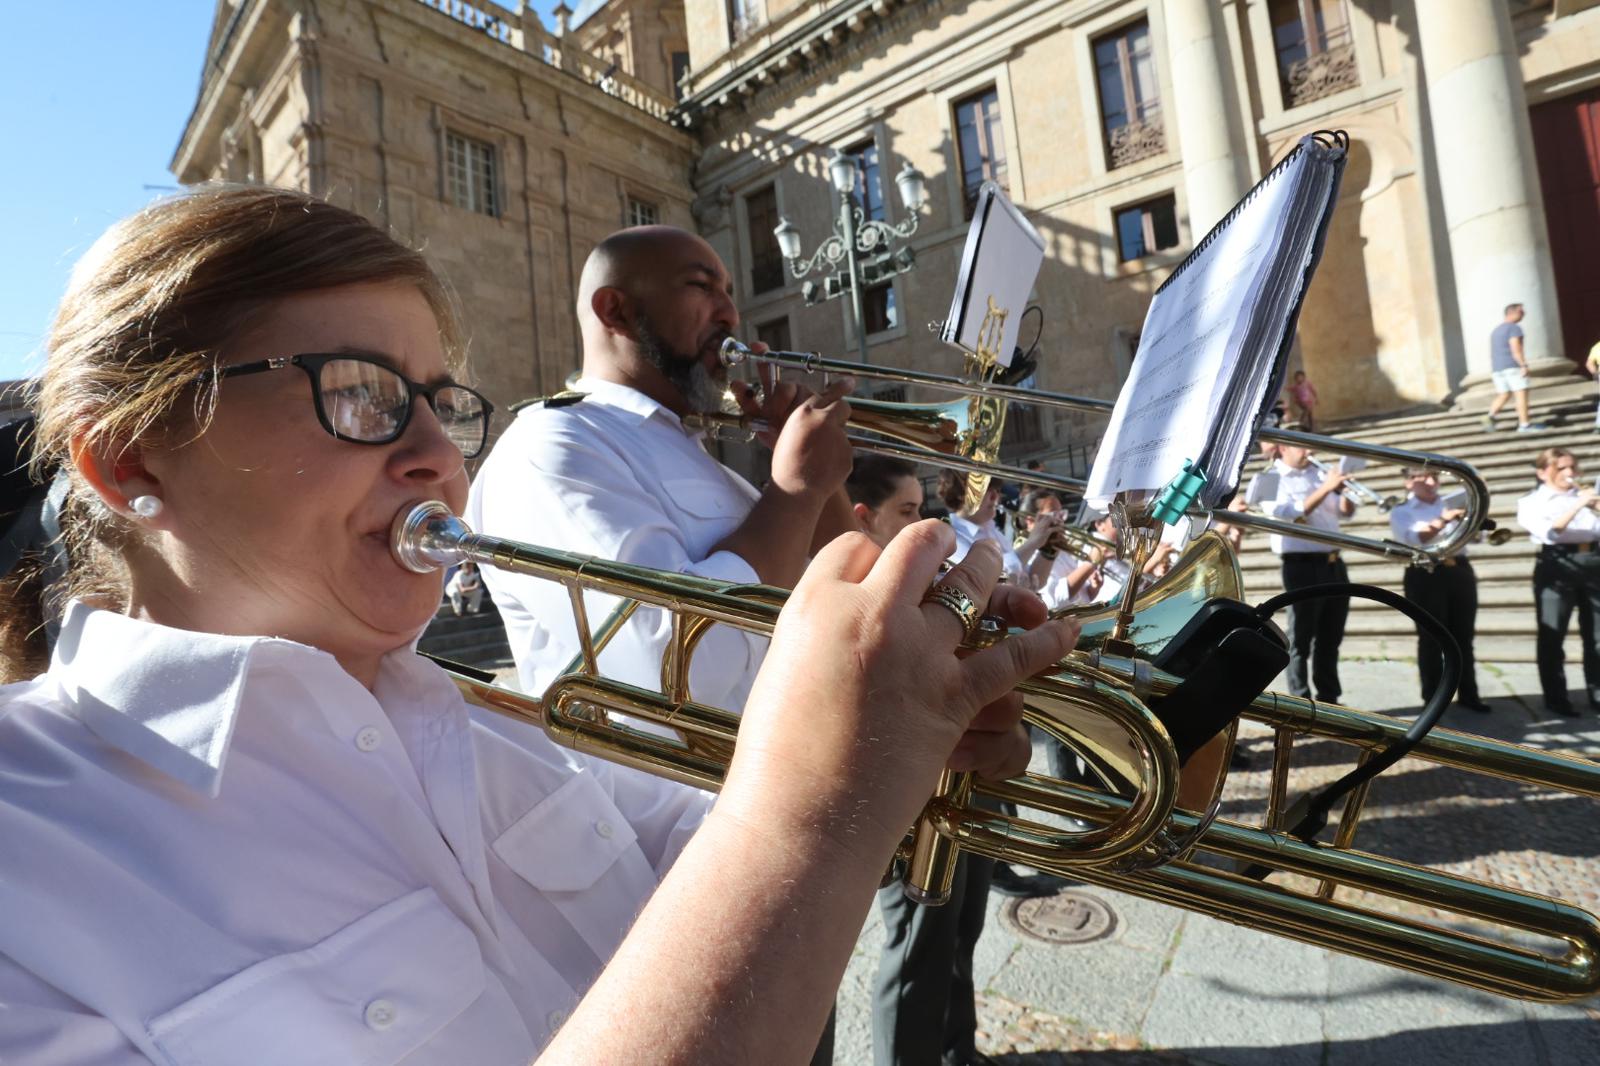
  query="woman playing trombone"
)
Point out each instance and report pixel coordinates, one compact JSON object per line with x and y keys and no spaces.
{"x":246,"y":823}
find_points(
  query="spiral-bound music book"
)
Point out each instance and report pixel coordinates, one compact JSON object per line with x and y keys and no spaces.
{"x":1215,"y":341}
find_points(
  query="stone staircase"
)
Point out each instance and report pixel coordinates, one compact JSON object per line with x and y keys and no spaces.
{"x":473,"y":639}
{"x":1505,"y":631}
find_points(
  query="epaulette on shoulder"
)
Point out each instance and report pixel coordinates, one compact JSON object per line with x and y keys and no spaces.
{"x":560,"y":399}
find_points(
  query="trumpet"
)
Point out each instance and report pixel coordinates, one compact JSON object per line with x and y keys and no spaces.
{"x":966,"y":437}
{"x":1153,"y":834}
{"x":1385,"y":504}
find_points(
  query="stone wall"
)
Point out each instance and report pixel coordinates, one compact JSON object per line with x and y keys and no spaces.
{"x":355,"y":104}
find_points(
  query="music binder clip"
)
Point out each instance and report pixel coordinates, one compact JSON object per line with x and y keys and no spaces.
{"x":1179,"y":494}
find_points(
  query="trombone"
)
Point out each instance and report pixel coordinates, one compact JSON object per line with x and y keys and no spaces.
{"x":1385,"y":504}
{"x":965,"y":436}
{"x":1147,"y":838}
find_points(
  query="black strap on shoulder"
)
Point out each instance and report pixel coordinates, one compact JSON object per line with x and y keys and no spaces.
{"x":560,"y":399}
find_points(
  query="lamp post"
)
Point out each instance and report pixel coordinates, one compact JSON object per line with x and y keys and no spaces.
{"x":859,"y":252}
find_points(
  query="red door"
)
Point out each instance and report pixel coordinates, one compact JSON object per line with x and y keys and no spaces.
{"x":1566,"y":140}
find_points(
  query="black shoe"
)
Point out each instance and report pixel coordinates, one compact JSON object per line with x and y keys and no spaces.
{"x":1238,"y":760}
{"x":1561,"y":712}
{"x":1008,"y":882}
{"x":1476,"y":705}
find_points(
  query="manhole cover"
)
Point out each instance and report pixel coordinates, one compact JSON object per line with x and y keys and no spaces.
{"x":1068,"y":917}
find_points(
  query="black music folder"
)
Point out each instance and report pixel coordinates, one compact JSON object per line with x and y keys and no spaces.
{"x":1216,"y":339}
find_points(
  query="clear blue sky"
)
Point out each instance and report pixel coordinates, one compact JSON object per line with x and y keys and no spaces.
{"x":95,"y":94}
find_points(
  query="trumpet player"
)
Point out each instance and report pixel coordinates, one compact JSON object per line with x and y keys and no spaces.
{"x":1061,"y":576}
{"x":1448,"y":591}
{"x":1559,"y":516}
{"x":978,"y":524}
{"x":1316,"y":627}
{"x":610,"y":470}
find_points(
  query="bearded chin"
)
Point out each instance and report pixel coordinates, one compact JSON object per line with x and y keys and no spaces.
{"x":687,"y":373}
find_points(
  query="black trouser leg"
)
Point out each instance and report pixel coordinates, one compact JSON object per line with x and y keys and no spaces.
{"x":1329,"y":635}
{"x":922,"y":996}
{"x":1427,"y":590}
{"x":1554,"y":596}
{"x":1297,"y":574}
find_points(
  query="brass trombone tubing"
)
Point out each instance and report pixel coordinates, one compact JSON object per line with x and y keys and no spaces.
{"x":428,"y":537}
{"x":1477,"y":504}
{"x":1394,"y":940}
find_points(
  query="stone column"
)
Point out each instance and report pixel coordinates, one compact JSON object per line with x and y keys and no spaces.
{"x":1204,"y":111}
{"x":1488,"y":179}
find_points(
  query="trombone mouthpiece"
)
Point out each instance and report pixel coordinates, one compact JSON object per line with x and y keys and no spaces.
{"x":426,"y":537}
{"x":732,"y":352}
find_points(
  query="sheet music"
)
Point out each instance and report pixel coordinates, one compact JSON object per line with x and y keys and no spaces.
{"x":1214,"y":337}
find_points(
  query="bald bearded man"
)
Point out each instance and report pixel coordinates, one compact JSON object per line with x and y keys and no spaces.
{"x":610,"y":470}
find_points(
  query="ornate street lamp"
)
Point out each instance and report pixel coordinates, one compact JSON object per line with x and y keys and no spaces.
{"x":860,"y":250}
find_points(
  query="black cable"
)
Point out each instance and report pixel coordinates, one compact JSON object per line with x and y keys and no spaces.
{"x":1315,"y":817}
{"x":1035,"y":345}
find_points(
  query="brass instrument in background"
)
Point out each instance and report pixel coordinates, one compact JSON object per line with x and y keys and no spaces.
{"x":1385,"y":504}
{"x":943,"y":435}
{"x":1154,"y":835}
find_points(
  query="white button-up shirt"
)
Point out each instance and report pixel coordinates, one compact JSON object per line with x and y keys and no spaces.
{"x":1294,"y":487}
{"x":1538,"y":510}
{"x":226,"y":850}
{"x":969,"y":533}
{"x":1408,"y":520}
{"x":615,"y":475}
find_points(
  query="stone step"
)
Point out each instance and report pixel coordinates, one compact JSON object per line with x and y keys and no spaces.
{"x":1487,"y":649}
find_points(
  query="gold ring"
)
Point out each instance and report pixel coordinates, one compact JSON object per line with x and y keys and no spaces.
{"x":959,"y":604}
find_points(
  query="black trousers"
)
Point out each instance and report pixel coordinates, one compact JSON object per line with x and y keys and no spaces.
{"x":1316,"y":627}
{"x":1562,"y":580}
{"x":1450,"y":594}
{"x":922,"y":1003}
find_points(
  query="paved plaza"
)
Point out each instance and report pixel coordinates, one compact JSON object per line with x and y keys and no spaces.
{"x":1167,"y":986}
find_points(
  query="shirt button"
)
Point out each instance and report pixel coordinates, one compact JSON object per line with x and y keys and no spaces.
{"x":603,"y":829}
{"x":368,"y":739}
{"x":380,"y":1014}
{"x":556,"y":1018}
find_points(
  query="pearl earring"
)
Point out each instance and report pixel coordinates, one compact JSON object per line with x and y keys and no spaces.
{"x":146,"y":506}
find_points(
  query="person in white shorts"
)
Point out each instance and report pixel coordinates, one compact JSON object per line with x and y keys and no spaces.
{"x":1510,"y":371}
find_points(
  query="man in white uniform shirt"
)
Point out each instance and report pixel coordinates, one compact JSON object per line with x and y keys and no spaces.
{"x":1070,"y":579}
{"x":1560,"y":517}
{"x":973,"y":526}
{"x":1448,"y":591}
{"x":610,"y":469}
{"x":1316,"y":627}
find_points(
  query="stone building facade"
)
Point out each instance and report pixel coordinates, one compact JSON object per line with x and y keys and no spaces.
{"x":1124,"y":128}
{"x":470,"y":130}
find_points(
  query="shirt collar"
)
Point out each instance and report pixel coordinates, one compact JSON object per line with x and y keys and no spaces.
{"x":624,"y":398}
{"x":172,"y":697}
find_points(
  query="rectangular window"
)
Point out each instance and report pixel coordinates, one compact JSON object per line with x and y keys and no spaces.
{"x":1130,"y":97}
{"x":470,"y":174}
{"x":878,"y":308}
{"x":869,"y":180}
{"x":766,"y":260}
{"x":775,"y":335}
{"x":1146,"y":228}
{"x":981,"y":144}
{"x":1315,"y":54}
{"x":680,"y":67}
{"x":745,"y":17}
{"x":642,"y":213}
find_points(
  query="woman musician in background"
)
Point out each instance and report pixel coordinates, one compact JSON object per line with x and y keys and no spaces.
{"x":246,"y":823}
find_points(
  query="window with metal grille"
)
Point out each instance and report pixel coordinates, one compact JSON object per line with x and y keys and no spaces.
{"x":1148,"y":227}
{"x":1316,"y":56}
{"x":470,"y":174}
{"x":981,"y":144}
{"x":1130,"y":96}
{"x":680,"y":67}
{"x":766,"y":259}
{"x":879,"y":309}
{"x":642,"y":213}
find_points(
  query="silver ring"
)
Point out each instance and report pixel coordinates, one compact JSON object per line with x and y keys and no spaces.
{"x":958,"y":603}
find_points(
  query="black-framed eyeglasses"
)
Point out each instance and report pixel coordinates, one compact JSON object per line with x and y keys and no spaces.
{"x":365,"y":401}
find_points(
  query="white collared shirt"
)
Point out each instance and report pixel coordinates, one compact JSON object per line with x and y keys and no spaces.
{"x":617,"y":476}
{"x":1408,"y":520}
{"x":226,"y":850}
{"x":1538,"y":510}
{"x":1055,"y":592}
{"x":969,"y":533}
{"x":1294,"y":487}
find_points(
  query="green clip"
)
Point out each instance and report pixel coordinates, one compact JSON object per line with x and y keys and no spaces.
{"x":1176,"y":497}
